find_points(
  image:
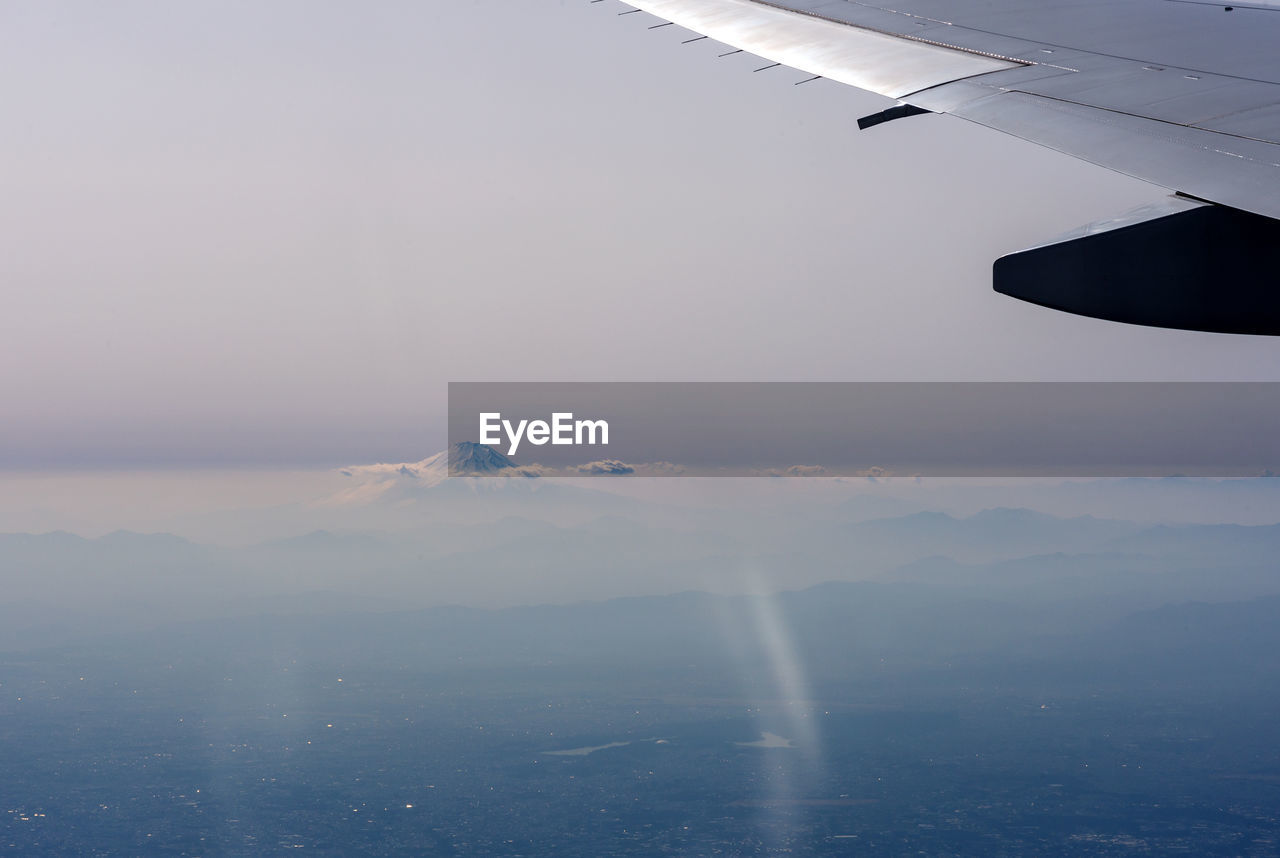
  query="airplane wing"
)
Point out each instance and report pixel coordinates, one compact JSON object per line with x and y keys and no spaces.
{"x":1184,"y":94}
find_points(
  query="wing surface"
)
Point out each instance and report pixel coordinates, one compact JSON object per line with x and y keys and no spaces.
{"x":1185,"y":95}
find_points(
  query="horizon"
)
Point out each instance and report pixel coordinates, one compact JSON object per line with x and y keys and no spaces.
{"x":251,"y":252}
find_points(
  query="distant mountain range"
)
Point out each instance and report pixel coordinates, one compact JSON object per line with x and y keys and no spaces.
{"x":843,"y":639}
{"x":618,"y":547}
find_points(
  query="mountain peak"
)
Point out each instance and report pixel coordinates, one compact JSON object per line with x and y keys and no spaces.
{"x":468,"y":457}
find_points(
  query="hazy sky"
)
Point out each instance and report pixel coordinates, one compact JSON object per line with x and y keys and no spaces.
{"x":271,"y":233}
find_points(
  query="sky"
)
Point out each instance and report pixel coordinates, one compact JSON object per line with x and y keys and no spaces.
{"x":247,"y":234}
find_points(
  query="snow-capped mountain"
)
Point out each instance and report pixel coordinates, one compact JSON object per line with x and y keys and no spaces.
{"x":392,"y":481}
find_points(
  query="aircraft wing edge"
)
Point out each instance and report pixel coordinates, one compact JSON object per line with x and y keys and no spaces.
{"x":888,"y":64}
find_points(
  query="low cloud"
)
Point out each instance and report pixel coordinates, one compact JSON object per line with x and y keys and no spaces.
{"x":616,"y":468}
{"x":604,"y":467}
{"x":795,"y":471}
{"x":660,"y":469}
